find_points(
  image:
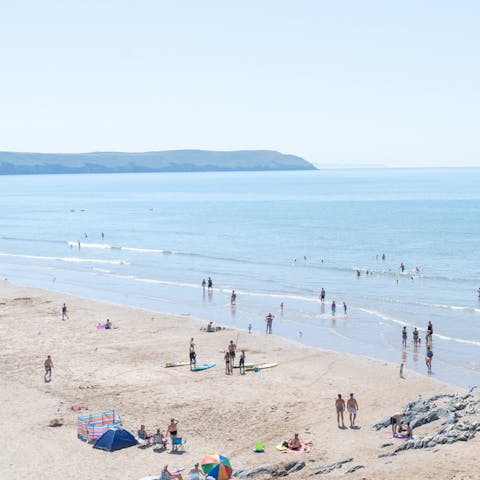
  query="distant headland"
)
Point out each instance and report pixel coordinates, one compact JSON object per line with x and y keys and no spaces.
{"x":20,"y":163}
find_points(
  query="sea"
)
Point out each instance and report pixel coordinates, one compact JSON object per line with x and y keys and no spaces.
{"x":149,"y":239}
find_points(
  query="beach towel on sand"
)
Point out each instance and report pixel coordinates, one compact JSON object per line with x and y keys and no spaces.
{"x":304,"y":448}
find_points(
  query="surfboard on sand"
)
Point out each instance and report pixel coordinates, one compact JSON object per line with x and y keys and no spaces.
{"x":176,"y":364}
{"x":261,"y":366}
{"x":204,"y":366}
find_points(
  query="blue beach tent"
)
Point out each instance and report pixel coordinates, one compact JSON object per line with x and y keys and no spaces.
{"x":115,"y":439}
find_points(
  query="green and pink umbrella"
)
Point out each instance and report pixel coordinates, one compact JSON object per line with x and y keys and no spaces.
{"x":217,"y":466}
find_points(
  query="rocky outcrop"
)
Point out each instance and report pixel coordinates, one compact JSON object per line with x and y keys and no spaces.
{"x":459,"y":416}
{"x":333,"y":466}
{"x":279,"y":470}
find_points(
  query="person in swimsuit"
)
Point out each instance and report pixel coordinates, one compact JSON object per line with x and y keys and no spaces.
{"x":415,"y":336}
{"x":294,"y":443}
{"x":340,"y":407}
{"x":269,"y":320}
{"x":352,"y":408}
{"x":430,"y":328}
{"x":166,"y":475}
{"x":193,"y":357}
{"x":334,"y":307}
{"x":227,"y":363}
{"x":231,"y":351}
{"x":428,"y":360}
{"x":64,"y":312}
{"x":233,"y":298}
{"x":404,"y":336}
{"x":48,"y":369}
{"x":204,"y":284}
{"x":210,"y":283}
{"x":344,"y":308}
{"x":196,"y":473}
{"x":143,"y":435}
{"x":395,"y":421}
{"x":172,"y":430}
{"x":322,"y":295}
{"x":241,"y":363}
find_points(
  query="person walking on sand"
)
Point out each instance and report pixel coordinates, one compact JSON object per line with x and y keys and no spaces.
{"x":64,"y":312}
{"x":48,"y":369}
{"x":428,"y":360}
{"x":340,"y":408}
{"x":404,"y":336}
{"x":352,"y":408}
{"x":322,"y":295}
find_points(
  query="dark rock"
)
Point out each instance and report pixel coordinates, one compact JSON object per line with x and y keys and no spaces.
{"x":387,"y":454}
{"x":354,"y":469}
{"x":333,"y":466}
{"x":384,"y":445}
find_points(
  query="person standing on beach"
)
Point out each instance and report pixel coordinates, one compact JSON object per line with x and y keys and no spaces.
{"x":281,"y":308}
{"x":231,"y":351}
{"x":415,"y":336}
{"x":334,"y":307}
{"x":344,"y":308}
{"x":352,"y":408}
{"x":204,"y":284}
{"x":430,"y":327}
{"x":402,"y":267}
{"x":269,"y":320}
{"x":428,"y":339}
{"x":233,"y":298}
{"x":241,"y":363}
{"x":172,"y":430}
{"x":383,"y":257}
{"x":227,"y":363}
{"x":210,"y":283}
{"x":48,"y":369}
{"x":192,"y":355}
{"x":404,"y":337}
{"x":322,"y":295}
{"x":428,"y":360}
{"x":64,"y":312}
{"x":340,"y":407}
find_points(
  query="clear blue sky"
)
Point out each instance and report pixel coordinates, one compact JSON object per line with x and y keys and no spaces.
{"x":337,"y":82}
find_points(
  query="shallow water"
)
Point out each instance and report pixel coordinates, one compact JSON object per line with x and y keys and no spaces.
{"x":273,"y":237}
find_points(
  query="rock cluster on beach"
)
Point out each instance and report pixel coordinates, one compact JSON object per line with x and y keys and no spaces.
{"x":459,"y":416}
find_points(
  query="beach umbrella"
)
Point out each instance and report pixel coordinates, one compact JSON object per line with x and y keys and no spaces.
{"x":217,"y":466}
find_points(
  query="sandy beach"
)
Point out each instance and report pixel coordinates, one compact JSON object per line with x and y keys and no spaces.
{"x":216,"y":412}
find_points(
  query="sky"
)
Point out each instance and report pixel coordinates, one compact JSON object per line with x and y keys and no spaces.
{"x":335,"y":82}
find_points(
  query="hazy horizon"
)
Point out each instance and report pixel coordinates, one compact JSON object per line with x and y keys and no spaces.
{"x":351,"y":84}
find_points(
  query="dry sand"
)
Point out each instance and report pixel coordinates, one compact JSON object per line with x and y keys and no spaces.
{"x":216,"y":412}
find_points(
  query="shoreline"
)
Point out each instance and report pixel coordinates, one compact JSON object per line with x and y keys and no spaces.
{"x":228,"y":413}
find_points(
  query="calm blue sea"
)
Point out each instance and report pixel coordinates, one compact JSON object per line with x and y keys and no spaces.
{"x":273,"y":237}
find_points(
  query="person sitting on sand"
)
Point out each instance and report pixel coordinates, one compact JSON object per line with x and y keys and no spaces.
{"x":404,"y":431}
{"x":108,"y":324}
{"x":210,"y":327}
{"x":166,"y":475}
{"x":143,"y":435}
{"x":160,"y":439}
{"x":196,"y":473}
{"x":295,"y":443}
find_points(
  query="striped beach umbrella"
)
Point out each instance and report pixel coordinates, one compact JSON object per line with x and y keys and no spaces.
{"x":217,"y":466}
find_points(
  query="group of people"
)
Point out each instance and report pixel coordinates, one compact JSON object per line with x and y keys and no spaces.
{"x":399,"y":429}
{"x":352,"y":409}
{"x":194,"y":474}
{"x":207,"y":284}
{"x":229,"y":358}
{"x":333,"y":306}
{"x":417,"y":341}
{"x":158,"y":438}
